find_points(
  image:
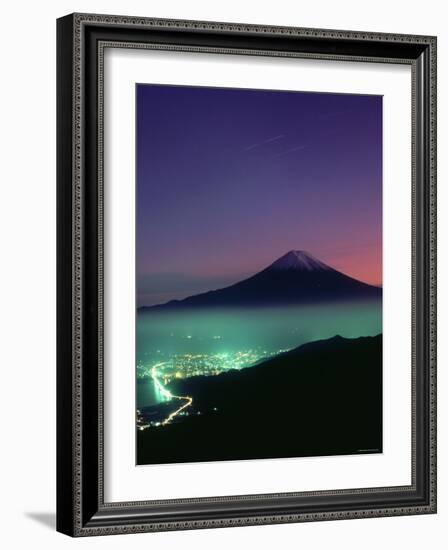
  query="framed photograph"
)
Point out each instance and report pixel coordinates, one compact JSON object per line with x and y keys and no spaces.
{"x":246,"y":274}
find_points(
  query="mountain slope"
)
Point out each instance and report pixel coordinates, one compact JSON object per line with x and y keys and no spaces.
{"x":323,"y":398}
{"x":296,"y":277}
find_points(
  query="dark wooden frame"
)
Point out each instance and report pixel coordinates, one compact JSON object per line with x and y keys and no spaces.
{"x":81,"y":39}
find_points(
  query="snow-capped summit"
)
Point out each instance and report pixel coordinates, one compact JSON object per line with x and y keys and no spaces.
{"x":295,"y":278}
{"x":299,"y":260}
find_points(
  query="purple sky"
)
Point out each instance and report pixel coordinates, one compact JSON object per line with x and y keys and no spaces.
{"x":228,"y":180}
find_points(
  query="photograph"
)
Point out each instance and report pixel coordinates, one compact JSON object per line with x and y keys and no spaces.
{"x":259,"y":275}
{"x":224,"y":225}
{"x":246,"y":273}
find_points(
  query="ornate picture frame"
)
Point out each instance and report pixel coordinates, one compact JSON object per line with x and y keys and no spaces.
{"x":81,"y":506}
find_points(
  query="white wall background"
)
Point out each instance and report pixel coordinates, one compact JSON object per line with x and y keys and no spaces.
{"x":27,"y":289}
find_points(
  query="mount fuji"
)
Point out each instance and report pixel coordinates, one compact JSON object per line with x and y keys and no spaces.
{"x":295,"y":278}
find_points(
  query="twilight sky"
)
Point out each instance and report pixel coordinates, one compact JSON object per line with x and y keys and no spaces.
{"x":228,"y":180}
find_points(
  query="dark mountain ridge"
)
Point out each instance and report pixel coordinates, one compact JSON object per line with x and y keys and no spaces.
{"x":322,"y":398}
{"x":297,"y":277}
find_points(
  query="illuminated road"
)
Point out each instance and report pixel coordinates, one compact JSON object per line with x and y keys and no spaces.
{"x":188,"y":399}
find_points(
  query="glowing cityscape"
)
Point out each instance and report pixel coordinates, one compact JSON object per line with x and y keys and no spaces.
{"x":179,"y":366}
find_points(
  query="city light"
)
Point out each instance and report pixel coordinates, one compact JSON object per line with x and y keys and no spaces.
{"x":164,"y":391}
{"x":179,"y":366}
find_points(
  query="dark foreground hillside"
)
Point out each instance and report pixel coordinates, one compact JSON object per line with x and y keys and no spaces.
{"x":323,"y":398}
